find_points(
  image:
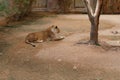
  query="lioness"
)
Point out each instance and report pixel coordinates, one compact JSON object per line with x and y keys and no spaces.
{"x":49,"y":34}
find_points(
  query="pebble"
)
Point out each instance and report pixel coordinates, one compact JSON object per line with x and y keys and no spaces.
{"x":1,"y":54}
{"x":59,"y":60}
{"x":74,"y":67}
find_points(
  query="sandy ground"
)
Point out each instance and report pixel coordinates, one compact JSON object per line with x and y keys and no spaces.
{"x":61,"y":60}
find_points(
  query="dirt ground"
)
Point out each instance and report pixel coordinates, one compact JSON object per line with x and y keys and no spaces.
{"x":65,"y":59}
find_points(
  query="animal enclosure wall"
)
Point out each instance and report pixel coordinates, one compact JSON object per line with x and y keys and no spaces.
{"x":53,"y":5}
{"x":109,"y":6}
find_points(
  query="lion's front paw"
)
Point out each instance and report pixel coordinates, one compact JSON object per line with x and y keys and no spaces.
{"x":62,"y":37}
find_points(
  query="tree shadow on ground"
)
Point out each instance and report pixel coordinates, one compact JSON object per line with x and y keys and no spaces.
{"x":102,"y":44}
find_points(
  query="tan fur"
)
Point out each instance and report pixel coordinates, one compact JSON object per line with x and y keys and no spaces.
{"x":46,"y":35}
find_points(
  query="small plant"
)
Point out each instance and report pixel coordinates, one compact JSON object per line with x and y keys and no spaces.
{"x":3,"y":7}
{"x":15,"y":9}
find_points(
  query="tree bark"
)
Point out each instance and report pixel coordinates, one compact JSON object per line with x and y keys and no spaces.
{"x":94,"y":31}
{"x":94,"y":14}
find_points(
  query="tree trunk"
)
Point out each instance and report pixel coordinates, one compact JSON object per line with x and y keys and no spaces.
{"x":94,"y":14}
{"x":94,"y":31}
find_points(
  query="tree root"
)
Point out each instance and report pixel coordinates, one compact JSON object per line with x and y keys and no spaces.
{"x":89,"y":43}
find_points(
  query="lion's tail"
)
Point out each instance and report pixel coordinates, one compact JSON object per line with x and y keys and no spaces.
{"x":28,"y":42}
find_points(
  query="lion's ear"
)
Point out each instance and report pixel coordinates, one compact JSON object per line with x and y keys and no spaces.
{"x":52,"y":26}
{"x":56,"y":27}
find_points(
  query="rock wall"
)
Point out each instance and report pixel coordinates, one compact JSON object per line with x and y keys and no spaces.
{"x":52,"y":5}
{"x":111,"y":6}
